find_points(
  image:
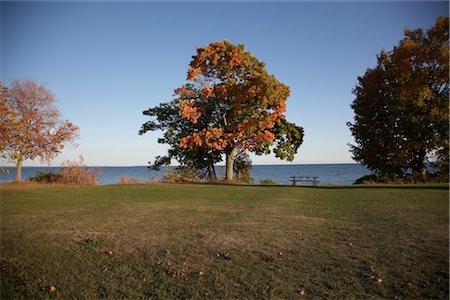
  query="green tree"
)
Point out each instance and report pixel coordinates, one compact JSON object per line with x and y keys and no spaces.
{"x":401,"y":106}
{"x":166,"y":118}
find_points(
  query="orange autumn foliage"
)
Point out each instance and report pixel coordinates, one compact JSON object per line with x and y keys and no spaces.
{"x":206,"y":92}
{"x":184,"y":92}
{"x":233,"y":85}
{"x":193,"y":72}
{"x":212,"y":138}
{"x":189,"y":111}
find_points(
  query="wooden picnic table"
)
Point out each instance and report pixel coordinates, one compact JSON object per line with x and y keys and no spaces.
{"x":309,"y":179}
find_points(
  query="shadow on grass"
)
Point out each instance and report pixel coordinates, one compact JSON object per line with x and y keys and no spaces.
{"x":420,"y":186}
{"x":401,"y":187}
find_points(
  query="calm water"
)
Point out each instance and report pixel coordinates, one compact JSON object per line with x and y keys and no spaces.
{"x":327,"y":173}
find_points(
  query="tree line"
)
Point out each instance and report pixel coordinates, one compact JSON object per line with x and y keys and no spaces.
{"x":231,"y":106}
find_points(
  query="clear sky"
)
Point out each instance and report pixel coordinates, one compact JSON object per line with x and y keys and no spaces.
{"x":108,"y":61}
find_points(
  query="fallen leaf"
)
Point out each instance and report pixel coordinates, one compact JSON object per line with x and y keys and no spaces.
{"x":52,"y":289}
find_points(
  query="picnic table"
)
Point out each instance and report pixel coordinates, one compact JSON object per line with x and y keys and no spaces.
{"x":308,"y":179}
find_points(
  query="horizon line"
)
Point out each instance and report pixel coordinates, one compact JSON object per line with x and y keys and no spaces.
{"x":220,"y":165}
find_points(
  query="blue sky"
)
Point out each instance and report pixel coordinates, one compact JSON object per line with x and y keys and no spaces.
{"x":108,"y":61}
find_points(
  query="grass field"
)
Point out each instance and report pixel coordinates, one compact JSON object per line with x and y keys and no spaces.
{"x":217,"y":241}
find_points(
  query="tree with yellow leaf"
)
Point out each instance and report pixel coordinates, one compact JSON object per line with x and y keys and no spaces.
{"x":401,"y":106}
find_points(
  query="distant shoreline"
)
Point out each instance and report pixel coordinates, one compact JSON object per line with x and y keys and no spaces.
{"x":144,"y":166}
{"x":280,"y":173}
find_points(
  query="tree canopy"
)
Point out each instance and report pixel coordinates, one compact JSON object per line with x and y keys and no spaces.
{"x":166,"y":117}
{"x":30,"y":124}
{"x":230,"y":106}
{"x":401,"y":106}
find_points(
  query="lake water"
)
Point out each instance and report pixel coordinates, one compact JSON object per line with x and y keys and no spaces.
{"x":327,"y":173}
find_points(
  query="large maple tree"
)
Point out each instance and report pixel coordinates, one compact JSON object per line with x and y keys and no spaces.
{"x":30,"y":124}
{"x":234,"y":106}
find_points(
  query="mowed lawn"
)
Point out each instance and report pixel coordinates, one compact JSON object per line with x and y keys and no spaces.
{"x":218,"y":241}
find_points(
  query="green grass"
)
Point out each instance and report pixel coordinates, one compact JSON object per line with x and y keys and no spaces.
{"x":218,"y":241}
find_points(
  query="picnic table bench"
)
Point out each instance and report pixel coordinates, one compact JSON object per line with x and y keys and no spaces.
{"x":309,"y":179}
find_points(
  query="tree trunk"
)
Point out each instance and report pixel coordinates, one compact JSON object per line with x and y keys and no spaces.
{"x":19,"y":170}
{"x":420,"y":167}
{"x":211,"y":171}
{"x":229,"y":166}
{"x":423,"y":170}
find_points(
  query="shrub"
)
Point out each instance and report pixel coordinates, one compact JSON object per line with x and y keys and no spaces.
{"x":73,"y":172}
{"x":124,"y":179}
{"x":47,"y":177}
{"x":182,"y":175}
{"x":267,"y":181}
{"x":377,"y":178}
{"x":438,"y":177}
